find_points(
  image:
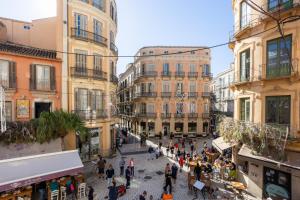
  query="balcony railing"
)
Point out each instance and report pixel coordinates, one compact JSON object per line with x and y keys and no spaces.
{"x":80,"y":72}
{"x":179,"y":94}
{"x":114,"y":48}
{"x":91,"y":114}
{"x":147,"y":74}
{"x":279,"y":70}
{"x":166,"y":74}
{"x":165,"y":115}
{"x":114,"y":79}
{"x":150,"y":115}
{"x":179,"y":74}
{"x":179,"y":115}
{"x":205,"y":115}
{"x":206,"y":94}
{"x":166,"y":94}
{"x":274,"y":6}
{"x":204,"y":74}
{"x":193,"y":74}
{"x":88,"y":36}
{"x":146,"y":94}
{"x":193,"y":94}
{"x":193,"y":115}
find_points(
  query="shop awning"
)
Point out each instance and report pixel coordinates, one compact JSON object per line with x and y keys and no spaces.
{"x":27,"y":170}
{"x":221,"y":145}
{"x":246,"y":153}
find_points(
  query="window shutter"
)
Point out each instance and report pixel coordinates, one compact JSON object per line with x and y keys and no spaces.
{"x":12,"y":75}
{"x":52,"y":78}
{"x":32,"y":80}
{"x":76,"y":100}
{"x":92,"y":99}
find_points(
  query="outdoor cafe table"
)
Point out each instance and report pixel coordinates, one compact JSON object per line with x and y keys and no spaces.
{"x":238,"y":185}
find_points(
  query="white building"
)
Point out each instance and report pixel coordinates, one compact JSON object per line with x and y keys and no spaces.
{"x":223,"y":96}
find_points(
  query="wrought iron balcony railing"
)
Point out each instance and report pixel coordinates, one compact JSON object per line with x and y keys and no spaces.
{"x":206,"y":94}
{"x":204,"y":74}
{"x":166,"y":74}
{"x":205,"y":115}
{"x":193,"y":94}
{"x":193,"y":74}
{"x":91,"y":114}
{"x":150,"y":115}
{"x":165,"y":115}
{"x":179,"y":74}
{"x":193,"y":115}
{"x":166,"y":94}
{"x":146,"y":94}
{"x":147,"y":74}
{"x":82,"y":72}
{"x":88,"y":36}
{"x":179,"y":115}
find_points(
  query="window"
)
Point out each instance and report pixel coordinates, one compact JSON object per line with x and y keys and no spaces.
{"x":166,"y":86}
{"x":206,"y":108}
{"x":151,"y":87}
{"x":278,"y":57}
{"x":166,"y":108}
{"x":81,"y":25}
{"x":97,"y":100}
{"x":98,"y":4}
{"x":179,"y":67}
{"x":98,"y":31}
{"x":80,"y":59}
{"x":206,"y":69}
{"x":112,"y":37}
{"x":245,"y":65}
{"x":179,"y":108}
{"x":42,"y":77}
{"x":244,"y":15}
{"x":192,"y":127}
{"x":4,"y":73}
{"x":193,"y":86}
{"x":277,"y":4}
{"x":193,"y":68}
{"x":150,"y":68}
{"x":278,"y":109}
{"x":97,"y":62}
{"x":8,"y":111}
{"x":245,"y":109}
{"x":150,"y":108}
{"x":143,"y":108}
{"x":206,"y":88}
{"x":179,"y":88}
{"x":166,"y":68}
{"x":81,"y":100}
{"x":112,"y":11}
{"x":192,"y":107}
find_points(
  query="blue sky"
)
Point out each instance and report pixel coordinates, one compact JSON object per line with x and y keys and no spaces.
{"x":153,"y":22}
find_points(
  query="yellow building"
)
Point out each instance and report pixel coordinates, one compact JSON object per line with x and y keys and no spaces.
{"x":87,"y":31}
{"x":168,"y":93}
{"x":267,"y":90}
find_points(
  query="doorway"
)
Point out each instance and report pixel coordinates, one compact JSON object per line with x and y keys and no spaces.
{"x":41,"y":107}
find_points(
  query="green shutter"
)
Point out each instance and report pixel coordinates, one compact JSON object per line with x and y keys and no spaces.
{"x":12,"y":75}
{"x":32,"y":80}
{"x":52,"y":78}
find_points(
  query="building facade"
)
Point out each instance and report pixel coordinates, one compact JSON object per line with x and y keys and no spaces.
{"x":222,"y":94}
{"x":31,"y":77}
{"x":170,"y":93}
{"x":87,"y":31}
{"x":266,"y":90}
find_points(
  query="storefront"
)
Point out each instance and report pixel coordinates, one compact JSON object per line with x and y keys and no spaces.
{"x":266,"y":177}
{"x":23,"y":177}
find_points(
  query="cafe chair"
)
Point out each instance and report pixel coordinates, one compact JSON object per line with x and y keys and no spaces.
{"x":54,"y":195}
{"x":63,"y":194}
{"x":82,"y":190}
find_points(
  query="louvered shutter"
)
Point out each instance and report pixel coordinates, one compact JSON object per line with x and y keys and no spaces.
{"x":32,"y":80}
{"x":52,"y":78}
{"x":12,"y":75}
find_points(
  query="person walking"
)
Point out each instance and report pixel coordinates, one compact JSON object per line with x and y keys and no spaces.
{"x":122,"y":164}
{"x":143,"y":196}
{"x":110,"y":172}
{"x":128,"y":176}
{"x":113,"y":191}
{"x":101,"y":167}
{"x":168,"y":181}
{"x":174,"y":170}
{"x":168,"y":149}
{"x":178,"y":154}
{"x":131,"y":164}
{"x":181,"y":161}
{"x":197,"y":171}
{"x":172,"y":151}
{"x":91,"y":193}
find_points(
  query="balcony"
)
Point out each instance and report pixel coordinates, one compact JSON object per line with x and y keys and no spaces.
{"x":146,"y":94}
{"x":193,"y":94}
{"x":179,"y":115}
{"x":147,"y":74}
{"x":166,"y":94}
{"x":209,"y":75}
{"x":166,"y":74}
{"x":193,"y":115}
{"x":99,"y":6}
{"x":179,"y":94}
{"x":165,"y":115}
{"x":281,"y":70}
{"x":276,"y":6}
{"x":88,"y":36}
{"x":205,"y":115}
{"x":79,"y":72}
{"x":180,"y":74}
{"x":149,"y":115}
{"x":114,"y":79}
{"x":193,"y":74}
{"x":206,"y":94}
{"x":91,"y":114}
{"x":113,"y":48}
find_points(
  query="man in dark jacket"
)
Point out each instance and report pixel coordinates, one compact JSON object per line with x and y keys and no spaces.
{"x":113,"y":192}
{"x":174,"y":170}
{"x":128,"y":175}
{"x":110,"y":172}
{"x":168,"y":181}
{"x":197,"y":171}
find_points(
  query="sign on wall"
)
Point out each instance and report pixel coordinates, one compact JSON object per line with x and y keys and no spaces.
{"x":23,"y":109}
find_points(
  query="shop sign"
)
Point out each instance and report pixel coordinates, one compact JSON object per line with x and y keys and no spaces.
{"x":22,"y":109}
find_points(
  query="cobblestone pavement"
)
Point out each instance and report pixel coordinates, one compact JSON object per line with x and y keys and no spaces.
{"x":146,"y":177}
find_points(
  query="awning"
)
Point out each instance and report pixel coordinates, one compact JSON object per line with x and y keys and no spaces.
{"x":246,"y":152}
{"x":221,"y":145}
{"x":19,"y":172}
